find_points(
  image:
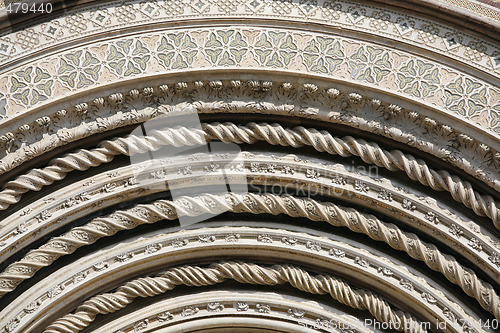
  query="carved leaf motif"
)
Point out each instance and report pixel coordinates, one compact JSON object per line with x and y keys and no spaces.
{"x":408,"y":204}
{"x":57,"y":290}
{"x":455,"y":230}
{"x":242,"y":306}
{"x":406,"y":284}
{"x":263,"y":308}
{"x":32,"y":307}
{"x":495,"y":259}
{"x":232,"y":238}
{"x":206,"y":238}
{"x":337,"y":253}
{"x":189,"y":311}
{"x":360,"y":186}
{"x":180,"y":242}
{"x":385,"y":195}
{"x":361,"y":261}
{"x":429,"y":298}
{"x":432,"y":217}
{"x":385,"y":271}
{"x":165,"y":316}
{"x":313,"y":246}
{"x":12,"y":325}
{"x":312,"y":174}
{"x":141,"y":325}
{"x":475,"y":244}
{"x":264,"y":238}
{"x":152,"y":248}
{"x":289,"y":241}
{"x":296,"y":313}
{"x":79,"y":277}
{"x":44,"y":215}
{"x":100,"y":266}
{"x":215,"y":307}
{"x":124,"y":256}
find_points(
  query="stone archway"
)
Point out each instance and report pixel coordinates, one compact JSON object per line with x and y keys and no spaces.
{"x":365,"y":167}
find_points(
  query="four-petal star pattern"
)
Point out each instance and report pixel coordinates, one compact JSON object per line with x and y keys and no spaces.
{"x":367,"y":63}
{"x":31,"y":85}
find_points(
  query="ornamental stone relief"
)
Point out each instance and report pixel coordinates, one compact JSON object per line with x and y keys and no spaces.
{"x":351,"y":109}
{"x":431,"y":35}
{"x":342,"y":59}
{"x":336,"y":215}
{"x":384,"y":270}
{"x":338,"y":58}
{"x":110,"y":188}
{"x":77,"y":227}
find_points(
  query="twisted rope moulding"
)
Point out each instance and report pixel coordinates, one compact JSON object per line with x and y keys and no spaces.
{"x":336,"y":215}
{"x":246,"y":273}
{"x":275,"y":134}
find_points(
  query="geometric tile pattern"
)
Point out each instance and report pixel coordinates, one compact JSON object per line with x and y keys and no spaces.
{"x":495,"y":3}
{"x":476,"y":6}
{"x":472,"y":5}
{"x":98,"y":18}
{"x":366,"y":63}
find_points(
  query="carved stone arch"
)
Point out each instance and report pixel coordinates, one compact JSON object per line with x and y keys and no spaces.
{"x":111,"y":266}
{"x":216,"y":313}
{"x":313,"y":95}
{"x":336,"y":182}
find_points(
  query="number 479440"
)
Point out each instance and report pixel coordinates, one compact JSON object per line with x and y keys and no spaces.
{"x":23,"y":7}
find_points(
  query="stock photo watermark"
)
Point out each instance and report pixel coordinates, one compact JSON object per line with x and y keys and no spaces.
{"x":27,"y":7}
{"x":177,"y":155}
{"x":186,"y":138}
{"x":323,"y":324}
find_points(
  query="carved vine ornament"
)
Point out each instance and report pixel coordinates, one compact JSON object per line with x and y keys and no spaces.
{"x":256,"y":204}
{"x":274,"y":134}
{"x":243,"y":273}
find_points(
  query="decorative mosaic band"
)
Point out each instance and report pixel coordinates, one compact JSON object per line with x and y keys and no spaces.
{"x":250,"y":48}
{"x":120,"y":15}
{"x":477,"y":6}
